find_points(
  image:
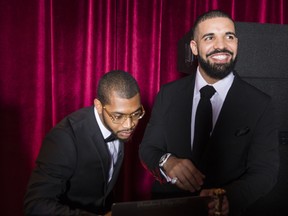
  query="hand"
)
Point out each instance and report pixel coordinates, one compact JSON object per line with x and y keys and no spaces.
{"x":213,"y":202}
{"x":188,"y":176}
{"x":108,"y":214}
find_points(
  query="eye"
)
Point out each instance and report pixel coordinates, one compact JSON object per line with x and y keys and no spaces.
{"x":118,"y":116}
{"x":230,"y":36}
{"x":208,"y":38}
{"x":136,"y":114}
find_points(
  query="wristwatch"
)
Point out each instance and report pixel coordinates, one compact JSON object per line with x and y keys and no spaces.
{"x":163,"y":159}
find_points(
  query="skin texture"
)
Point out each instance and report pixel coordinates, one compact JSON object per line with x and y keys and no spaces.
{"x":212,"y":35}
{"x":119,"y":105}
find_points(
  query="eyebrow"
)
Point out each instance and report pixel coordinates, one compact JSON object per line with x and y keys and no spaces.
{"x":211,"y":34}
{"x":120,"y":113}
{"x":231,"y":33}
{"x":206,"y":35}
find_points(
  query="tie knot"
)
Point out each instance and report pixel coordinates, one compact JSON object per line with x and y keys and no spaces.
{"x":207,"y":91}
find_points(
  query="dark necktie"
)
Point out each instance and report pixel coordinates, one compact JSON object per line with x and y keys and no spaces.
{"x":203,"y":123}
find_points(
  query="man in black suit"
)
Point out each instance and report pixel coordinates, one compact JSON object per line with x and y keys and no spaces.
{"x":76,"y":168}
{"x":241,"y":155}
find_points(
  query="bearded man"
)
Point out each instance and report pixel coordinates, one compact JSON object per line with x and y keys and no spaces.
{"x":239,"y":149}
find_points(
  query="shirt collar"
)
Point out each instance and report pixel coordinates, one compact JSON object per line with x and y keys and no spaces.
{"x":222,"y":86}
{"x":105,"y":132}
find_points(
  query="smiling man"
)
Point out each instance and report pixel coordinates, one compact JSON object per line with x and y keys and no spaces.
{"x":215,"y":44}
{"x":236,"y":149}
{"x":81,"y":157}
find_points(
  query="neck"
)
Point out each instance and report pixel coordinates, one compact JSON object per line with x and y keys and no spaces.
{"x":207,"y":78}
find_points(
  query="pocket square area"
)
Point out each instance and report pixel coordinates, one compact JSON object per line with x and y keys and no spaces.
{"x":242,"y":131}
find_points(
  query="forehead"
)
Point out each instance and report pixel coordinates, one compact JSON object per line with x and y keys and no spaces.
{"x":123,"y":105}
{"x":215,"y":25}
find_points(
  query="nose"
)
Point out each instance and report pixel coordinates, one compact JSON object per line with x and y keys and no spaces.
{"x":128,"y":123}
{"x":219,"y":44}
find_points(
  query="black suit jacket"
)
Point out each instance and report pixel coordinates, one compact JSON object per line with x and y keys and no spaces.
{"x":242,"y":155}
{"x":72,"y":169}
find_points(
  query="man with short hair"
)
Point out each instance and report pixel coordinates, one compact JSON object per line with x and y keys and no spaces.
{"x":239,"y":152}
{"x":81,"y":157}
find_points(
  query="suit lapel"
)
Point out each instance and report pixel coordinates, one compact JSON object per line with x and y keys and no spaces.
{"x":117,"y":167}
{"x":181,"y":117}
{"x":100,"y":144}
{"x":103,"y":153}
{"x":233,"y":111}
{"x":231,"y":119}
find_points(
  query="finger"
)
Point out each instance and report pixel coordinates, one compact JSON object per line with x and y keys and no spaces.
{"x":196,"y":174}
{"x":186,"y":180}
{"x":189,"y":177}
{"x":185,"y":185}
{"x":225,"y":206}
{"x":224,"y":209}
{"x":206,"y":192}
{"x":188,"y":163}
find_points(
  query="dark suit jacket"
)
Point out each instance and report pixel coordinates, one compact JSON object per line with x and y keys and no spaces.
{"x":242,"y":155}
{"x":72,"y":169}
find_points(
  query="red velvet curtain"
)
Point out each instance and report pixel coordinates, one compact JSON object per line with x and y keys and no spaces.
{"x":52,"y":53}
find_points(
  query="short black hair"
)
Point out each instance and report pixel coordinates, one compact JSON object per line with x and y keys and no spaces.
{"x":121,"y":82}
{"x":209,"y":15}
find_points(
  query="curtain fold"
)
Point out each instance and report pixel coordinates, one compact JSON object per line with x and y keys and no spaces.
{"x":54,"y":51}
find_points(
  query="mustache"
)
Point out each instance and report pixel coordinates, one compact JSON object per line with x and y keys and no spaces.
{"x":127,"y":130}
{"x":219,"y":51}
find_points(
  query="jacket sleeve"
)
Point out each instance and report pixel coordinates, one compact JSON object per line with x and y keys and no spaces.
{"x":153,"y":145}
{"x":48,"y":182}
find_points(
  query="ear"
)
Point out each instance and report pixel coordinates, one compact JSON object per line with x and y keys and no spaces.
{"x":98,"y":105}
{"x":193,"y":46}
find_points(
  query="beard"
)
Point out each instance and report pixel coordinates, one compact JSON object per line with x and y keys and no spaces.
{"x":116,"y":132}
{"x":216,"y":70}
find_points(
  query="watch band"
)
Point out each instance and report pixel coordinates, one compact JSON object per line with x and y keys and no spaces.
{"x":163,"y":159}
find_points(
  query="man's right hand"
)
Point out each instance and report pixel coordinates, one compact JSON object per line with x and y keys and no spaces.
{"x":188,"y":176}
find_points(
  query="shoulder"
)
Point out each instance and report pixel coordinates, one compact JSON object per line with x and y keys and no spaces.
{"x":81,"y":114}
{"x":249,"y":89}
{"x":76,"y":118}
{"x":249,"y":94}
{"x":181,"y":84}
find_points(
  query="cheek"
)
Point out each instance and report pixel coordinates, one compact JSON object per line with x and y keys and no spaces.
{"x":114,"y":127}
{"x":204,"y":50}
{"x":233,"y":46}
{"x":110,"y":125}
{"x":235,"y":50}
{"x":203,"y":53}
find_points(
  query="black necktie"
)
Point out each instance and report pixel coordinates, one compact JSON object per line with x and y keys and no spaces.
{"x":110,"y":138}
{"x":203,"y":123}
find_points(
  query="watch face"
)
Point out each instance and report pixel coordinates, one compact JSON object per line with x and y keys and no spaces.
{"x":163,"y":159}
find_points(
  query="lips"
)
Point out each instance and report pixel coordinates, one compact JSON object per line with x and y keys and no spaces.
{"x":218,"y":51}
{"x":125,"y":133}
{"x":221,"y":57}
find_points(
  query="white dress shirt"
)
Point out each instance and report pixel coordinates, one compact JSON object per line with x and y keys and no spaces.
{"x":112,"y":146}
{"x":222,"y":87}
